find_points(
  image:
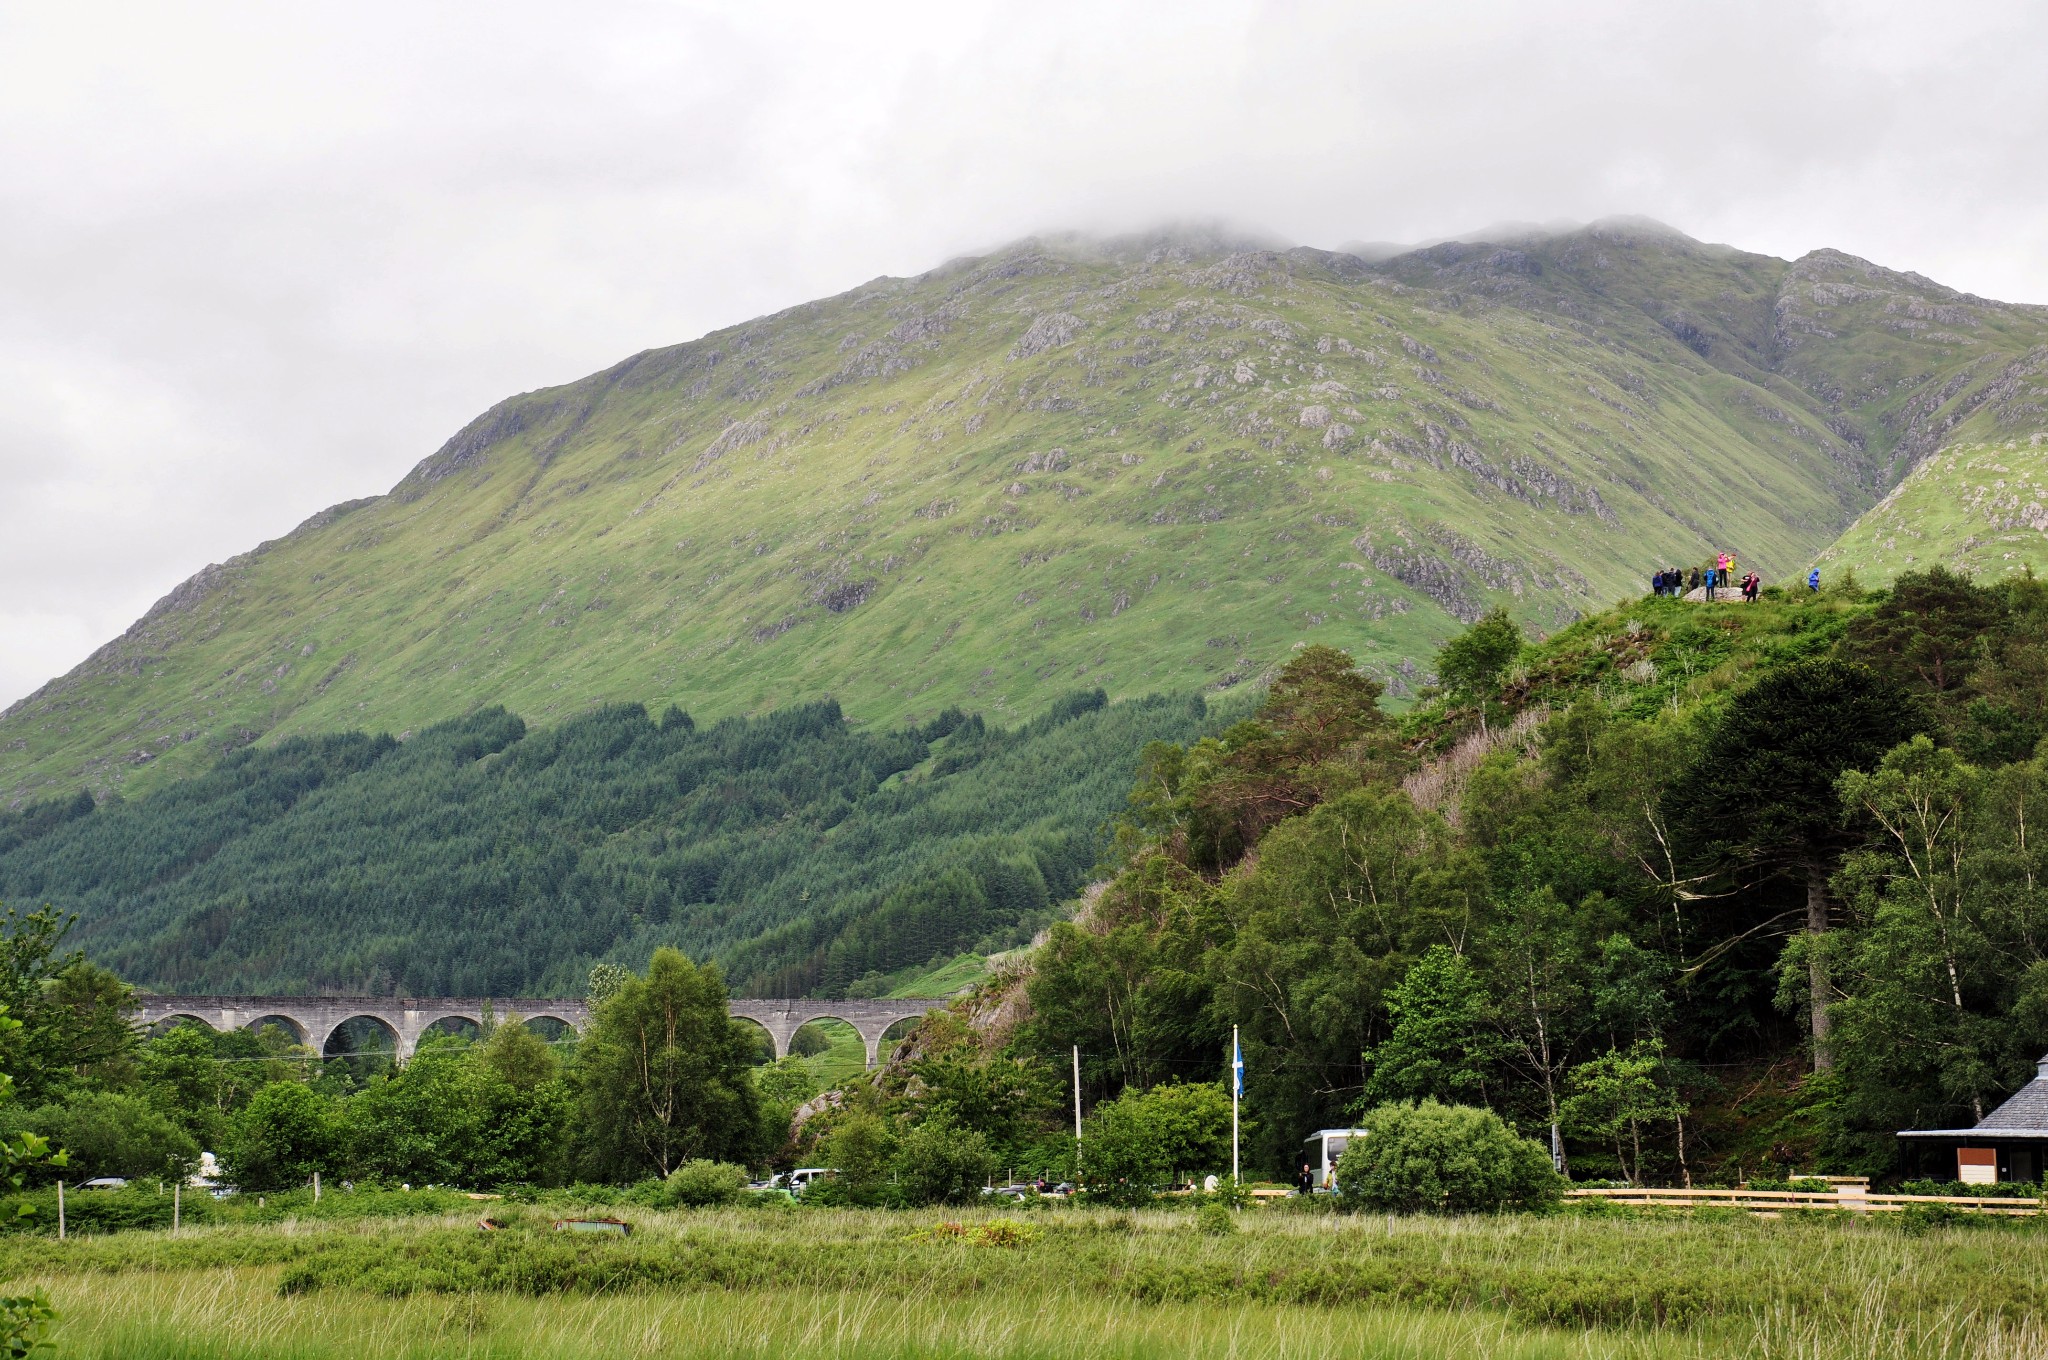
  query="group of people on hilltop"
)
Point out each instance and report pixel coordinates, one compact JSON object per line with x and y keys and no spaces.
{"x":1713,"y":578}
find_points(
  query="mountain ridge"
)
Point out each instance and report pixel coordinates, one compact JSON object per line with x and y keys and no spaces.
{"x":1150,"y":461}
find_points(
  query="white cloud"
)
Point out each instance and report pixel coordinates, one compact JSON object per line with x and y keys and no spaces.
{"x":260,"y":257}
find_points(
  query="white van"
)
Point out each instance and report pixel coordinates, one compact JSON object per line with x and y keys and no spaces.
{"x":1323,"y":1148}
{"x":796,"y":1180}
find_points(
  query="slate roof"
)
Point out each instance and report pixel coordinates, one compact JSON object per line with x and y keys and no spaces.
{"x":2026,"y":1111}
{"x":2024,"y":1115}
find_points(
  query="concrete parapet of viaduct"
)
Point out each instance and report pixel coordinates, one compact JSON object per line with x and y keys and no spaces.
{"x":313,"y":1020}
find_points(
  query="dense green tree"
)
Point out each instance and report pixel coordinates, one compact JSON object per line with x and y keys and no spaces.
{"x":202,"y":1078}
{"x":74,"y":1018}
{"x":108,"y":1133}
{"x":1934,"y":627}
{"x":1949,"y":923}
{"x":861,"y":1148}
{"x":1343,"y":901}
{"x":24,"y":1318}
{"x":1619,"y":1092}
{"x":1760,"y":798}
{"x":460,"y":1115}
{"x":938,"y":1162}
{"x":286,"y":1133}
{"x":664,"y":1073}
{"x":517,"y":1056}
{"x":1540,"y":955}
{"x":1133,"y":1145}
{"x":1439,"y":1044}
{"x":1470,"y":665}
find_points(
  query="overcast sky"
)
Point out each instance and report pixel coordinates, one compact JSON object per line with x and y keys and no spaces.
{"x":258,"y":258}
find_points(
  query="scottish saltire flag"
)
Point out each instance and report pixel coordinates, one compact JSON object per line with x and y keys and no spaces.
{"x":1237,"y":1066}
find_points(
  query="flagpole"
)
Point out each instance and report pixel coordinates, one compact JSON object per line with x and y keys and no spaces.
{"x":1236,"y":1090}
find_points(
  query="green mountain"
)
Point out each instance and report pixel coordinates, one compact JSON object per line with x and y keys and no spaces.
{"x":1148,"y":465}
{"x":1977,"y":507}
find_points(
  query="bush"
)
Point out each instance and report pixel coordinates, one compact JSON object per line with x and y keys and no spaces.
{"x":1997,"y":1190}
{"x":701,"y":1184}
{"x":287,"y":1133}
{"x":1431,"y":1158}
{"x":109,"y":1134}
{"x":941,"y":1163}
{"x":1215,"y":1220}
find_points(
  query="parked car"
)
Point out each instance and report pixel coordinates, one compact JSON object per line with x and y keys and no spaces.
{"x":105,"y":1183}
{"x":798,"y":1180}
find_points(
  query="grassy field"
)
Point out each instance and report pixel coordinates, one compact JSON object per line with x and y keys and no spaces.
{"x":1067,"y":1283}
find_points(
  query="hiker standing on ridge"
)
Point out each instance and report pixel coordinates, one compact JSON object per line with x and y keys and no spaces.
{"x":1694,"y":583}
{"x":1813,"y":581}
{"x":1713,"y":575}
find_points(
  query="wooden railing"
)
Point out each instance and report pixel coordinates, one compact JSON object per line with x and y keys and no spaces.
{"x":1778,"y":1200}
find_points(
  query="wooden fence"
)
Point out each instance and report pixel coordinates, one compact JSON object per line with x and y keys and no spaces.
{"x":1770,"y":1201}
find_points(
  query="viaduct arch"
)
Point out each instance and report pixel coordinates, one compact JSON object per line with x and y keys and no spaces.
{"x":316,"y":1018}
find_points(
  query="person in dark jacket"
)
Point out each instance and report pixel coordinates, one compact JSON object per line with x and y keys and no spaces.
{"x":1694,"y":582}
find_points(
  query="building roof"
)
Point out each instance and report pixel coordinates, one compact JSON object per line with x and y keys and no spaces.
{"x":2023,"y":1116}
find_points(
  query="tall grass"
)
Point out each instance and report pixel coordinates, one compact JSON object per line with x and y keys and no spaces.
{"x":1082,"y":1284}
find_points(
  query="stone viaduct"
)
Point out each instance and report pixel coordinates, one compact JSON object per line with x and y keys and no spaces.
{"x":314,"y":1020}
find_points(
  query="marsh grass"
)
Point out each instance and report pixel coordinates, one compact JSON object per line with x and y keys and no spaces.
{"x":1083,"y":1285}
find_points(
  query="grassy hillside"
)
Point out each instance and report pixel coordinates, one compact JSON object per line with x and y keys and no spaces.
{"x":1978,"y":507}
{"x":1144,"y":465}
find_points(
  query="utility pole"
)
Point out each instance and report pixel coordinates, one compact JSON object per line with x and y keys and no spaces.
{"x":1077,"y":1112}
{"x":60,"y":1211}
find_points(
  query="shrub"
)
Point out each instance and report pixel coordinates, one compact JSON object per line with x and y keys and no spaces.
{"x":1997,"y":1190}
{"x":1003,"y":1232}
{"x":286,"y":1134}
{"x":860,"y":1147}
{"x":941,"y":1163}
{"x":701,"y":1184}
{"x":110,"y":1134}
{"x":1215,"y":1220}
{"x":1805,"y":1185}
{"x":1431,"y":1158}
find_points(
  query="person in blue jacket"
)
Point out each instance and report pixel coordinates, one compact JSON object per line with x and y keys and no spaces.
{"x":1813,"y":579}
